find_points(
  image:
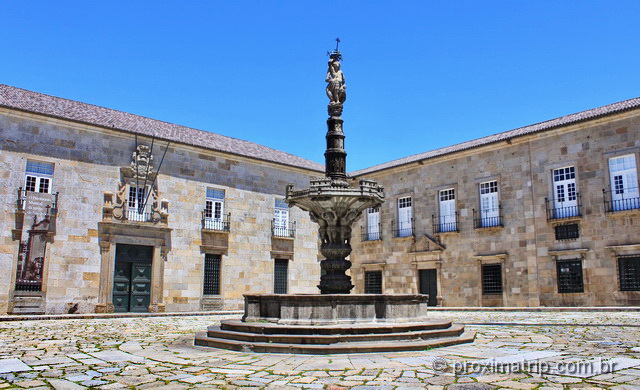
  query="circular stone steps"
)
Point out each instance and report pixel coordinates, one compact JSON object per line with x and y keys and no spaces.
{"x":350,"y":328}
{"x":332,"y":339}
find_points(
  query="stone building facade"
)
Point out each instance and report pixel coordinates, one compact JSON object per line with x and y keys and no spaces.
{"x":108,"y":211}
{"x":194,"y":228}
{"x":545,"y":215}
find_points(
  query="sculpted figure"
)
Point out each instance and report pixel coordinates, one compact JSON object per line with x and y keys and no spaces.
{"x":336,"y":89}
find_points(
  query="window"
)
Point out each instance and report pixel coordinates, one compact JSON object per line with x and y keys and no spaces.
{"x":624,"y":183}
{"x":565,"y":196}
{"x":212,"y":274}
{"x":281,"y":219}
{"x":491,"y":279}
{"x":137,"y":206}
{"x":373,"y":282}
{"x":489,"y":206}
{"x":569,"y":231}
{"x":280,"y":276}
{"x":405,"y":218}
{"x":373,"y":224}
{"x":629,"y":272}
{"x":39,"y":176}
{"x":214,"y":209}
{"x":570,"y":276}
{"x":448,"y":218}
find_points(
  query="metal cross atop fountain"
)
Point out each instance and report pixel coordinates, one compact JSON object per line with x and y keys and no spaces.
{"x":330,"y":201}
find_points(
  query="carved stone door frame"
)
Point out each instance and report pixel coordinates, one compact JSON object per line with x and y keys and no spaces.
{"x":112,"y":234}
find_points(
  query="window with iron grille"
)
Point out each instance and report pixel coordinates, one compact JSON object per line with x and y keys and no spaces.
{"x":39,"y":176}
{"x":280,"y":276}
{"x":373,"y":282}
{"x":570,"y":276}
{"x":629,"y":272}
{"x":212,"y":274}
{"x":568,"y":231}
{"x":491,"y":279}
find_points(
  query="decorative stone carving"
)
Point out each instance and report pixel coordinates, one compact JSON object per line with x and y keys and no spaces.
{"x":139,"y":173}
{"x":120,"y":201}
{"x":334,"y":207}
{"x":141,"y":163}
{"x":105,"y":308}
{"x":336,"y":87}
{"x":157,"y":308}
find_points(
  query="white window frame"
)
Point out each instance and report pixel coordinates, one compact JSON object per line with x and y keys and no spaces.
{"x":280,"y":219}
{"x":405,"y":216}
{"x":214,"y":209}
{"x":136,"y":197}
{"x":38,"y":176}
{"x":489,"y":204}
{"x":565,"y":192}
{"x":623,"y":175}
{"x":447,"y":208}
{"x":373,"y":223}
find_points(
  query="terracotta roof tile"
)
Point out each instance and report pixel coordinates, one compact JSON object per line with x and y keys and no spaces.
{"x":39,"y":103}
{"x":547,"y":125}
{"x":34,"y":102}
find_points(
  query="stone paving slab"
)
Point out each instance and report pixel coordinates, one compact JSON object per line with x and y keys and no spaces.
{"x":12,"y":365}
{"x":158,"y":353}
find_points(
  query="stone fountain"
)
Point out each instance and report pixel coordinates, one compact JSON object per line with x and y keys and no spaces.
{"x":334,"y":321}
{"x":330,"y":201}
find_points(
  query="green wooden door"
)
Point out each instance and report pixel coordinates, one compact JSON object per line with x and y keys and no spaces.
{"x":121,"y":287}
{"x":429,"y":285}
{"x":132,"y":278}
{"x":140,"y":287}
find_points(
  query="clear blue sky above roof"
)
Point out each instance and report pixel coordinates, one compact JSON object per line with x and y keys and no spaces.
{"x":420,"y":75}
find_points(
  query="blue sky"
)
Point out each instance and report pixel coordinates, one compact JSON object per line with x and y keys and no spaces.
{"x":420,"y":74}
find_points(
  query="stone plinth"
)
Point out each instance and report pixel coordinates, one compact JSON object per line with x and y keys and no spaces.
{"x":328,"y":309}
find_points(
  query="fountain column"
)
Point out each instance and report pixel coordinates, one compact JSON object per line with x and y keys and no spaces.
{"x":330,"y":201}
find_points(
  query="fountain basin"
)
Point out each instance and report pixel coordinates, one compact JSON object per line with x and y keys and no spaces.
{"x":333,"y":309}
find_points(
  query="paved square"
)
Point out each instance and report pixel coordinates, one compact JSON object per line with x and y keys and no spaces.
{"x":532,"y":350}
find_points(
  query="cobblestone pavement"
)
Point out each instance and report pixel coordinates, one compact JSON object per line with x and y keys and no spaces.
{"x":573,"y":350}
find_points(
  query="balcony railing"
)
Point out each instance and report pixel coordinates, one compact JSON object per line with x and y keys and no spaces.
{"x":283,"y":230}
{"x":445,"y":224}
{"x":28,"y":285}
{"x":404,"y":229}
{"x":371,"y":233}
{"x":134,"y":215}
{"x":620,"y":200}
{"x":563,"y":209}
{"x":481,"y":219}
{"x":217,"y":224}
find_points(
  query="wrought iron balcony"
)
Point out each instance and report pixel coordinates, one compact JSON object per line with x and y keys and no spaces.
{"x":28,"y":285}
{"x":565,"y":209}
{"x":222,"y":224}
{"x":404,"y":229}
{"x":371,"y":233}
{"x":481,"y":220}
{"x":621,"y":200}
{"x":283,"y":230}
{"x":445,"y":224}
